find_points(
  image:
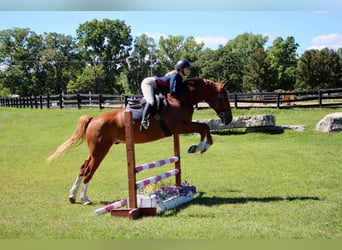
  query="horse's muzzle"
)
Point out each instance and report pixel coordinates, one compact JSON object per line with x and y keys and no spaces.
{"x":225,"y":118}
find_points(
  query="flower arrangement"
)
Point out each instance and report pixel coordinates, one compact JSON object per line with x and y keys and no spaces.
{"x":167,"y":197}
{"x":164,"y":192}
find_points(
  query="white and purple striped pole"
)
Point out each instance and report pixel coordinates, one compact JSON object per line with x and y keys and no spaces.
{"x":110,"y":207}
{"x":156,"y":178}
{"x":155,"y":164}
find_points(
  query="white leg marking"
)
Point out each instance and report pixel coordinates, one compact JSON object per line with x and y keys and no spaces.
{"x":74,"y":189}
{"x":84,"y":196}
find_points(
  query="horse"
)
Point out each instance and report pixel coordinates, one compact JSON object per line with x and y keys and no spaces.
{"x":108,"y":128}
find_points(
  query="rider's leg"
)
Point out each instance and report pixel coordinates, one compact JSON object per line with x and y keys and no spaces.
{"x":147,"y":86}
{"x":146,"y":114}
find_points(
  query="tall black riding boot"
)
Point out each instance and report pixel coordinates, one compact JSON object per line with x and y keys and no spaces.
{"x":146,"y":114}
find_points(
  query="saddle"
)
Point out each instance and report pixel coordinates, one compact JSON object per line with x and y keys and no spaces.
{"x":136,"y":105}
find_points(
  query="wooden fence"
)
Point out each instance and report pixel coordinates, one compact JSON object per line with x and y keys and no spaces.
{"x":313,"y":98}
{"x":66,"y":101}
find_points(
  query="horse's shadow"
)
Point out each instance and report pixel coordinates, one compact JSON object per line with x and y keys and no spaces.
{"x":200,"y":199}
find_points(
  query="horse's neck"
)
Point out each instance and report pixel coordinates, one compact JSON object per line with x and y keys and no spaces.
{"x":199,"y":93}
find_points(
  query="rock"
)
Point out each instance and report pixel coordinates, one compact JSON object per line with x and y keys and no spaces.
{"x":330,"y":123}
{"x":256,"y":121}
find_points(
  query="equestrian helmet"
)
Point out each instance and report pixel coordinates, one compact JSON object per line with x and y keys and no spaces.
{"x":183,"y":64}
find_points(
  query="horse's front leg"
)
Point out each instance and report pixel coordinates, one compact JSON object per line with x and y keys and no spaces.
{"x":205,"y":137}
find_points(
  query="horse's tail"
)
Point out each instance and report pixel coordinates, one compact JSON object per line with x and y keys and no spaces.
{"x":75,"y":138}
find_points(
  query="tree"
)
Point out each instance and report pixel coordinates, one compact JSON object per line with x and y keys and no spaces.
{"x":37,"y":64}
{"x":227,"y":63}
{"x":175,"y":48}
{"x":59,"y":63}
{"x":257,"y":73}
{"x":282,"y":58}
{"x":84,"y":82}
{"x":141,"y":62}
{"x":19,"y":51}
{"x":210,"y":65}
{"x":105,"y":42}
{"x":319,"y":69}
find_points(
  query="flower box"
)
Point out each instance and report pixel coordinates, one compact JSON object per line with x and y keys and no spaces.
{"x":163,"y":197}
{"x":174,"y":201}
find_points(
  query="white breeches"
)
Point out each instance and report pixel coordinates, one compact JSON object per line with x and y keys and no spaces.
{"x":148,"y":85}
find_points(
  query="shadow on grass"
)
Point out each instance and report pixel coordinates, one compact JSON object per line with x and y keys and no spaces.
{"x":200,"y":199}
{"x":212,"y":201}
{"x":275,"y":130}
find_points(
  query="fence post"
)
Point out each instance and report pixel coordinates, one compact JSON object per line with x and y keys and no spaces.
{"x":41,"y":102}
{"x":100,"y":101}
{"x":236,"y":100}
{"x":130,"y":154}
{"x":320,"y":98}
{"x":35,"y":102}
{"x":31,"y":102}
{"x":176,"y":151}
{"x":61,"y":100}
{"x":48,"y":101}
{"x":278,"y":100}
{"x":79,"y":101}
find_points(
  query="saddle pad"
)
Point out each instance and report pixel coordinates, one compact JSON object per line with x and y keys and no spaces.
{"x":136,"y":106}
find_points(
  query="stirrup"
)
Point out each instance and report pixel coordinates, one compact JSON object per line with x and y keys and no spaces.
{"x":144,"y":125}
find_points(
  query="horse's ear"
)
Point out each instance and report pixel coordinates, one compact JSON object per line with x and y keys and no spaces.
{"x":225,"y":83}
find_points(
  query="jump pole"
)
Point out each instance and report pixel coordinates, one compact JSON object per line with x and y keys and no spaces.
{"x":132,"y":211}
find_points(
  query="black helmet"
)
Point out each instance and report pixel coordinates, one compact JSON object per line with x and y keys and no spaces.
{"x":182,"y":64}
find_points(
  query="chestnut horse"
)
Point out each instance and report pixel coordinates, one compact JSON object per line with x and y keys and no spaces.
{"x":108,"y":128}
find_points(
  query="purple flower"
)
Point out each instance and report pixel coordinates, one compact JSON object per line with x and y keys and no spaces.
{"x":166,"y":192}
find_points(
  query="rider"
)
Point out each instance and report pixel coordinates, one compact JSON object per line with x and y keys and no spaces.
{"x":172,"y":80}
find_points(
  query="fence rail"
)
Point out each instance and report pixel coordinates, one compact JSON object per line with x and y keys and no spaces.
{"x":312,"y":98}
{"x":66,"y":101}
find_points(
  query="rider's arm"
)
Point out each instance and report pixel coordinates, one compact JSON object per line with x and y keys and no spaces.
{"x":175,"y":80}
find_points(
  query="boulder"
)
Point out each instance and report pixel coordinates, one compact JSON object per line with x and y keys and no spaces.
{"x":255,"y":121}
{"x":330,"y":123}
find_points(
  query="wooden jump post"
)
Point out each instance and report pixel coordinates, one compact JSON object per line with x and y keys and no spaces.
{"x":133,"y":211}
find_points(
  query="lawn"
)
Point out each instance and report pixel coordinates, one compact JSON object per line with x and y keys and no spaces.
{"x":249,"y":186}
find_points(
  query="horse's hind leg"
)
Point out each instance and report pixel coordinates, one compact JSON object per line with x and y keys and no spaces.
{"x":88,"y":169}
{"x":78,"y":181}
{"x":74,"y":189}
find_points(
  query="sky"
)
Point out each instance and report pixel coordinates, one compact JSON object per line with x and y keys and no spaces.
{"x":312,"y":28}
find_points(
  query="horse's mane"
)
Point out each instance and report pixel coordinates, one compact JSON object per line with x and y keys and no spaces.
{"x":196,"y":88}
{"x":198,"y":81}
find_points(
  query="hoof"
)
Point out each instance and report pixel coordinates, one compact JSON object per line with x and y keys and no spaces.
{"x":192,"y":149}
{"x":72,"y":199}
{"x":204,"y":150}
{"x":86,"y":203}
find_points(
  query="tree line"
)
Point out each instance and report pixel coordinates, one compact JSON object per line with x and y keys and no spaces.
{"x":105,"y":58}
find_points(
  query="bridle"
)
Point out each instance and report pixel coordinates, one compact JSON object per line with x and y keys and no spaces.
{"x":221,"y":103}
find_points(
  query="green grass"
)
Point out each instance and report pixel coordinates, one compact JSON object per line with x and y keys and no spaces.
{"x":250,"y":186}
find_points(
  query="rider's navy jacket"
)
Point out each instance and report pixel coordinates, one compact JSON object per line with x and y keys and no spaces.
{"x":172,"y":81}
